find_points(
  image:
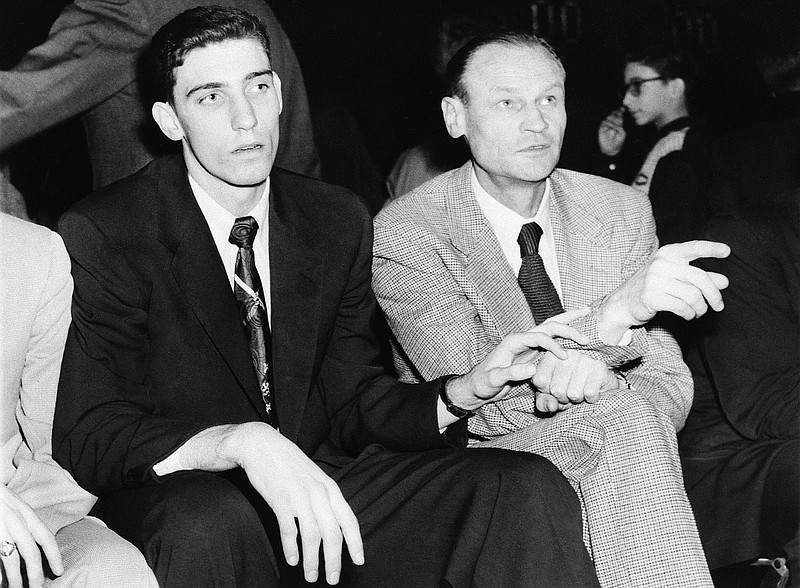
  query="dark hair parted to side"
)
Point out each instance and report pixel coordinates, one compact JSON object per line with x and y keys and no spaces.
{"x":669,"y":62}
{"x":458,"y":64}
{"x":195,"y":28}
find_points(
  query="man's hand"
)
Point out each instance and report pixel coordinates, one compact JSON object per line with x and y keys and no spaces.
{"x":20,"y":525}
{"x":665,"y":283}
{"x":577,"y":378}
{"x":513,"y":360}
{"x":296,"y":489}
{"x":611,"y":134}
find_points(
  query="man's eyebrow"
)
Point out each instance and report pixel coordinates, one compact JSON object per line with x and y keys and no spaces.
{"x":207,"y":86}
{"x":258,"y":74}
{"x":216,"y":85}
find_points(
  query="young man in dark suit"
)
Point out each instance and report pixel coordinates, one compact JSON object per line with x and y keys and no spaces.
{"x":221,"y":390}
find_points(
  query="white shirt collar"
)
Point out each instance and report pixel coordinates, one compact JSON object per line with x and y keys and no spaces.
{"x":507,"y":224}
{"x":220,"y":222}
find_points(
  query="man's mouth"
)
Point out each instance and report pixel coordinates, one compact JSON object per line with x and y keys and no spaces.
{"x":245,"y":148}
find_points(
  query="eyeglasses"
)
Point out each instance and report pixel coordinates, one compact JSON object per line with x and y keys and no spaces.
{"x":635,"y":86}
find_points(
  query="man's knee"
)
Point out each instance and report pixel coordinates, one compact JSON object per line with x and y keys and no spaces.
{"x":526,"y":474}
{"x":202,"y":512}
{"x":194,"y":527}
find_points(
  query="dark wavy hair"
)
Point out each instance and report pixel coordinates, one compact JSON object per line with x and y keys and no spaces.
{"x":669,"y":62}
{"x":192,"y":29}
{"x":458,"y":64}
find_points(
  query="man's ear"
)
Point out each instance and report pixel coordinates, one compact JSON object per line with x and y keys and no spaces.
{"x":277,"y":81}
{"x":678,"y":87}
{"x":454,"y":116}
{"x":167,"y":120}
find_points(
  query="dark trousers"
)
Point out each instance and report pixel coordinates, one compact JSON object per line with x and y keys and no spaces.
{"x":475,"y":517}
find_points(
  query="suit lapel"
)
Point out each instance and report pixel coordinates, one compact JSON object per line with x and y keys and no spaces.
{"x":485,"y":264}
{"x":200,"y":275}
{"x":581,"y":243}
{"x":295,"y":274}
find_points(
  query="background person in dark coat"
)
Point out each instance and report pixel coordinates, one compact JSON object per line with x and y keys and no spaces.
{"x":740,"y":445}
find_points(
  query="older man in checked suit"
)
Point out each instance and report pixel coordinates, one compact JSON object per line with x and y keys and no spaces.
{"x":445,"y":269}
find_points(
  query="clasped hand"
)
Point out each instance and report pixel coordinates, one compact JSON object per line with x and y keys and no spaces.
{"x":20,"y":525}
{"x":513,"y":360}
{"x":562,"y":382}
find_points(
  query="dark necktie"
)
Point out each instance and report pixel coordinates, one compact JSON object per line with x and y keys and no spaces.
{"x":533,"y":279}
{"x":249,"y":294}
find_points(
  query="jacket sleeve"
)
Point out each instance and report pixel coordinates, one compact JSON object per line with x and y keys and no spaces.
{"x":92,"y":54}
{"x":107,"y":430}
{"x":89,"y":55}
{"x":401,"y":416}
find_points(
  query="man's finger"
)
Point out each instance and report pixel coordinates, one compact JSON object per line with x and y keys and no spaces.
{"x":517,"y":372}
{"x":546,"y":403}
{"x":331,"y":537}
{"x":29,"y":552}
{"x":720,"y":281}
{"x":556,"y":329}
{"x":42,"y":535}
{"x":520,"y":343}
{"x":691,"y":250}
{"x":310,"y":538}
{"x":288,"y":531}
{"x":349,"y":526}
{"x":544,"y":373}
{"x":11,"y":569}
{"x":709,"y":285}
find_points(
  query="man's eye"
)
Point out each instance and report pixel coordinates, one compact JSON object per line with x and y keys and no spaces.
{"x":506,"y":103}
{"x":548,"y":100}
{"x":209,"y":98}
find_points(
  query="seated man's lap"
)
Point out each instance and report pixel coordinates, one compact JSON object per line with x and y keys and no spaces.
{"x":423,"y":517}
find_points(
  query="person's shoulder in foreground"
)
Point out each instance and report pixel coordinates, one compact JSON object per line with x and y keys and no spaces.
{"x":41,"y":506}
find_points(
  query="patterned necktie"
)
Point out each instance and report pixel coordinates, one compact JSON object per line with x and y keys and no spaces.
{"x":248,"y":291}
{"x":533,"y":279}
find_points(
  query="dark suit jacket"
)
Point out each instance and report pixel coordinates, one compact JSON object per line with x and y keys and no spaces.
{"x":157,"y":351}
{"x":747,"y":387}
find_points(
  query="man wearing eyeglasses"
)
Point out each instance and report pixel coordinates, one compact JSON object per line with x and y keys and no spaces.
{"x":507,"y":242}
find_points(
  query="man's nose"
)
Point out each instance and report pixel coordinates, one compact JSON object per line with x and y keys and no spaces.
{"x":534,"y":121}
{"x":243,"y":115}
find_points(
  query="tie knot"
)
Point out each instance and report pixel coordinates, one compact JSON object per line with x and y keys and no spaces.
{"x":528,"y":239}
{"x":244,"y":231}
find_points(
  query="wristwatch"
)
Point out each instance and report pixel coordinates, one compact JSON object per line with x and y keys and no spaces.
{"x":456,"y":411}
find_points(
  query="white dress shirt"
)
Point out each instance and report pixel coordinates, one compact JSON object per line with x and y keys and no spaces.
{"x":220,"y":221}
{"x":507,"y":224}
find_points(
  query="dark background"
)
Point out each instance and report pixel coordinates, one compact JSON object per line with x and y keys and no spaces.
{"x":371,"y":59}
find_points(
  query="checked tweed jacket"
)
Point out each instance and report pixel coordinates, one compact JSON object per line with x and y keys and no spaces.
{"x":450,"y":296}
